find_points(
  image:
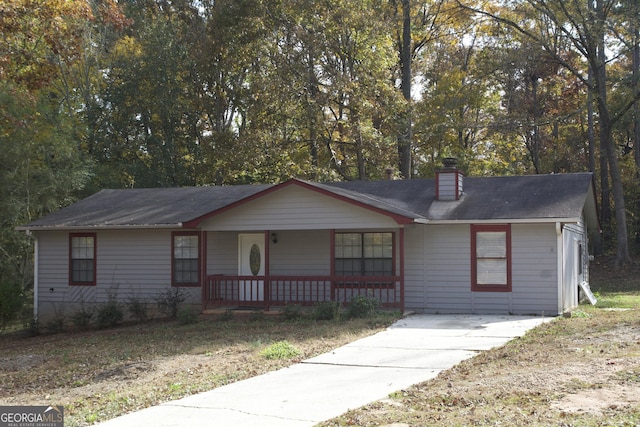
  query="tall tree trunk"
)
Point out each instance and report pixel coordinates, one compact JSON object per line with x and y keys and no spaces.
{"x":535,"y":151}
{"x":606,"y":141}
{"x":591,"y":133}
{"x":597,"y":243}
{"x":636,"y":88}
{"x":404,"y":135}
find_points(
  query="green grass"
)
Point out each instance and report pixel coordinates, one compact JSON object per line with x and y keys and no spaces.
{"x":626,"y":300}
{"x":280,"y":350}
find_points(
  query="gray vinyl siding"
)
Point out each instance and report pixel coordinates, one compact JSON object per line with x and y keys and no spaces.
{"x":535,"y":280}
{"x":222,"y":253}
{"x":305,"y":253}
{"x":414,"y":267}
{"x":129,"y":264}
{"x":447,"y":269}
{"x":448,"y":272}
{"x":295,"y":208}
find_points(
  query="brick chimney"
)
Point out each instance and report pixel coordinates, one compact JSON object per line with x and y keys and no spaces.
{"x":449,"y":180}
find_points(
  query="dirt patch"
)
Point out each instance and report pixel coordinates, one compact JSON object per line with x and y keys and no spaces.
{"x":21,"y":361}
{"x":598,"y":401}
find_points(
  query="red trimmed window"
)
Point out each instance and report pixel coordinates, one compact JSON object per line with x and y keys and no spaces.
{"x":185,"y":258}
{"x":364,"y":254}
{"x":491,"y":258}
{"x":82,"y":259}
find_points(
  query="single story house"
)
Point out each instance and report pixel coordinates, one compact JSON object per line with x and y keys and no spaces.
{"x":453,"y":244}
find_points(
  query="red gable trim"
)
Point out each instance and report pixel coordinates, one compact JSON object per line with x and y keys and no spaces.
{"x":400,"y":219}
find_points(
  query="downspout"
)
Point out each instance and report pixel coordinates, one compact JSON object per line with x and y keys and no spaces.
{"x":560,"y":267}
{"x":203,"y":270}
{"x":402,"y":269}
{"x":35,"y":274}
{"x":267,"y":271}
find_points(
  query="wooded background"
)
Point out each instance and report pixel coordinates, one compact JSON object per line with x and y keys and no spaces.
{"x":145,"y":93}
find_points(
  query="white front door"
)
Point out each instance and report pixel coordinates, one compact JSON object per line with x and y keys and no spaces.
{"x":251,"y":263}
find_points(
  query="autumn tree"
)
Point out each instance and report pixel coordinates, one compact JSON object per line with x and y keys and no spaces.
{"x":590,"y":29}
{"x":42,"y":165}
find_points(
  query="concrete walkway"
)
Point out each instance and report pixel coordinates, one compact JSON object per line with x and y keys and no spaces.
{"x":414,"y":349}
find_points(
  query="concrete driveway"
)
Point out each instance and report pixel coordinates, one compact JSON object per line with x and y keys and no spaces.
{"x":414,"y":349}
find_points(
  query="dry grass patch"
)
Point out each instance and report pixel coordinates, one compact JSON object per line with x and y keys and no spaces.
{"x":569,"y":372}
{"x":579,"y":371}
{"x":100,"y":374}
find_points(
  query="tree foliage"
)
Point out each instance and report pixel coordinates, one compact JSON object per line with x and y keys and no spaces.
{"x":143,"y":93}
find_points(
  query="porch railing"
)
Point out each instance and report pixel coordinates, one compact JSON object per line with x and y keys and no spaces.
{"x":268,"y":291}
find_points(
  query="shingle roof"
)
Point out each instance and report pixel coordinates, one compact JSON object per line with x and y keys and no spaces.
{"x":507,"y":197}
{"x":534,"y":197}
{"x":152,"y":207}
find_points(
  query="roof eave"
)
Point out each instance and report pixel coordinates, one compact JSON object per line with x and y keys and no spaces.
{"x":504,"y":220}
{"x":97,"y":227}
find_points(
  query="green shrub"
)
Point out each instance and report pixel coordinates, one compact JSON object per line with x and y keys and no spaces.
{"x":291,"y":312}
{"x":56,"y":323}
{"x":226,"y":316}
{"x":82,"y":318}
{"x":11,"y":301}
{"x":137,"y":309}
{"x":362,"y":306}
{"x":187,"y":316}
{"x":280,"y":350}
{"x":109,"y":314}
{"x":326,"y":310}
{"x":169,"y":302}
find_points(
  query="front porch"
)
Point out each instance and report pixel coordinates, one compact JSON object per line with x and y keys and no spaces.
{"x":276,"y":291}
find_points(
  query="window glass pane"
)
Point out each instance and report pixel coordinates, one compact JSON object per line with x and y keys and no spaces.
{"x":82,"y":270}
{"x":185,"y":247}
{"x":82,"y":247}
{"x":364,"y":254}
{"x":377,"y":267}
{"x":368,"y":251}
{"x":186,"y":271}
{"x":387,"y":249}
{"x":348,"y":245}
{"x":185,"y":259}
{"x":491,"y":244}
{"x":348,"y":267}
{"x":491,"y":272}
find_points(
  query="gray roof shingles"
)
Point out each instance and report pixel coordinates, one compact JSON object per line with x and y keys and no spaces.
{"x":515,"y":197}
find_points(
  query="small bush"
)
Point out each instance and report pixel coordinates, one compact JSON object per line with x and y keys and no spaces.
{"x":326,"y":310}
{"x":56,"y":324}
{"x":187,"y":316}
{"x":226,"y":316}
{"x":362,"y":306}
{"x":137,"y":309}
{"x":169,"y":302}
{"x":280,"y":350}
{"x":291,"y":312}
{"x":82,"y":318}
{"x":109,"y":314}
